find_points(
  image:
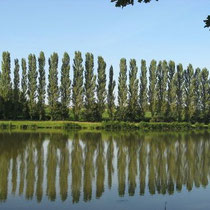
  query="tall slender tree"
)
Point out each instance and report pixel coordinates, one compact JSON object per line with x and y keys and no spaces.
{"x":16,"y":90}
{"x":162,"y":73}
{"x":24,"y":82}
{"x":179,"y":91}
{"x":78,"y":90}
{"x":41,"y":86}
{"x":90,"y":86}
{"x":122,"y":90}
{"x":101,"y":86}
{"x":196,"y":95}
{"x":1,"y":101}
{"x":32,"y":86}
{"x":204,"y":85}
{"x":171,"y":94}
{"x":111,"y":96}
{"x":53,"y":91}
{"x":152,"y":85}
{"x":143,"y":99}
{"x":133,"y":92}
{"x":6,"y":85}
{"x":188,"y":92}
{"x":65,"y":88}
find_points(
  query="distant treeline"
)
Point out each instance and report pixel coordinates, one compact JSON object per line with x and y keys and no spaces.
{"x":161,"y":91}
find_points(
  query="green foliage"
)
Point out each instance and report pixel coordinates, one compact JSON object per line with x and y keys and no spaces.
{"x":162,"y":76}
{"x":196,"y":96}
{"x":204,"y":85}
{"x":122,"y":91}
{"x":165,"y":126}
{"x":173,"y":94}
{"x":23,"y":95}
{"x":111,"y":96}
{"x":32,"y":86}
{"x":207,"y":22}
{"x":179,"y":91}
{"x":152,"y":85}
{"x":143,"y":99}
{"x":16,"y":90}
{"x":65,"y":90}
{"x":133,"y":108}
{"x":90,"y":86}
{"x":188,"y":93}
{"x":123,"y":3}
{"x":41,"y":86}
{"x":78,"y":90}
{"x":118,"y":125}
{"x":53,"y":91}
{"x":101,"y":86}
{"x":6,"y":85}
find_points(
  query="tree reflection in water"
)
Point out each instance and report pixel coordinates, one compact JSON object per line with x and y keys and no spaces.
{"x":81,"y":165}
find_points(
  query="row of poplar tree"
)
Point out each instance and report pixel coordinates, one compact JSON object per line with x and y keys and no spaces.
{"x":161,"y":92}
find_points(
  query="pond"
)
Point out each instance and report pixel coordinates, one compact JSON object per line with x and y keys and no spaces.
{"x":105,"y":170}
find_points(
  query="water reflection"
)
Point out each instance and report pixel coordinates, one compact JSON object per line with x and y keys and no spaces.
{"x":84,"y":165}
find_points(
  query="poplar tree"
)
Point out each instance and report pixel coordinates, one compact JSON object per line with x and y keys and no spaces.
{"x":78,"y":90}
{"x":188,"y":92}
{"x":197,"y":95}
{"x":65,"y":86}
{"x":41,"y":86}
{"x":204,"y":86}
{"x":53,"y":91}
{"x":152,"y":85}
{"x":111,"y":96}
{"x":133,"y":92}
{"x":6,"y":85}
{"x":143,"y":89}
{"x":179,"y":91}
{"x":16,"y":89}
{"x":90,"y":86}
{"x":162,"y":75}
{"x":122,"y":90}
{"x":32,"y":86}
{"x":171,"y":95}
{"x":1,"y":101}
{"x":208,"y":104}
{"x":101,"y":86}
{"x":23,"y":96}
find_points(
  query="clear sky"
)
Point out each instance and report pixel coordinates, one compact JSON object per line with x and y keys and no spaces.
{"x":168,"y":29}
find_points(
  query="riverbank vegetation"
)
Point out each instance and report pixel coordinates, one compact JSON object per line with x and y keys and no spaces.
{"x":109,"y":125}
{"x":159,"y":92}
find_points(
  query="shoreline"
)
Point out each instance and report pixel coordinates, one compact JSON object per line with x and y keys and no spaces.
{"x":109,"y":126}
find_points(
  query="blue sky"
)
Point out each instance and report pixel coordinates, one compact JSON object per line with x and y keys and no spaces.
{"x":168,"y":29}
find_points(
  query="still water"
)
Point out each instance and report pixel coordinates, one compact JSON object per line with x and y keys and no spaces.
{"x":103,"y":170}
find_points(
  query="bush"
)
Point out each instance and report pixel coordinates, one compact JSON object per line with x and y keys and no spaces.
{"x":72,"y":126}
{"x":118,"y":125}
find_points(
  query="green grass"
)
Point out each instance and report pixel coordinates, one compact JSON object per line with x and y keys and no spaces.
{"x":109,"y":125}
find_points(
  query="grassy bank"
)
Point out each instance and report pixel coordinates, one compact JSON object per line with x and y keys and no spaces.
{"x":110,"y":125}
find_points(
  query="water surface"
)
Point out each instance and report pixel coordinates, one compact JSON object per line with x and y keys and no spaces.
{"x":103,"y":170}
